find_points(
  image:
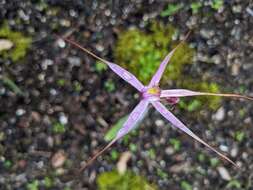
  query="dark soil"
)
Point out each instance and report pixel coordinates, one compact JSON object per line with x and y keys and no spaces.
{"x":28,"y":142}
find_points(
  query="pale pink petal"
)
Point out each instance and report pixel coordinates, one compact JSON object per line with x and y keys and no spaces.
{"x":135,"y":116}
{"x":184,"y":93}
{"x":121,"y":72}
{"x":158,"y":75}
{"x":178,"y":124}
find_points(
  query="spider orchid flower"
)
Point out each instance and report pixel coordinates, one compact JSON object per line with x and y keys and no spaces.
{"x":152,"y":94}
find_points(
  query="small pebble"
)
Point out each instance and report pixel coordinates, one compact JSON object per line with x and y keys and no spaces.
{"x":53,"y":92}
{"x":250,"y":11}
{"x":224,"y":148}
{"x":224,"y":173}
{"x":20,"y":112}
{"x":61,"y":43}
{"x":45,"y":63}
{"x":63,"y":119}
{"x":220,"y":114}
{"x":5,"y":44}
{"x":58,"y":159}
{"x":234,"y":151}
{"x":207,"y":33}
{"x":74,"y":61}
{"x":235,"y":69}
{"x":159,"y":123}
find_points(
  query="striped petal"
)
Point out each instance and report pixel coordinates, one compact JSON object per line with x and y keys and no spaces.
{"x":178,"y":124}
{"x":135,"y":116}
{"x":121,"y":72}
{"x":185,"y":92}
{"x":158,"y":75}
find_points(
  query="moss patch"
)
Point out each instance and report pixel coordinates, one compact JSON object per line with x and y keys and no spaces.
{"x":141,"y":53}
{"x":128,"y":181}
{"x":20,"y":44}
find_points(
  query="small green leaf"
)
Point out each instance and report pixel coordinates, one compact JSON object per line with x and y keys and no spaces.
{"x":233,"y":184}
{"x":201,"y":157}
{"x":109,"y":86}
{"x":214,"y":162}
{"x":195,"y":7}
{"x":239,"y":136}
{"x":34,"y":185}
{"x":161,"y":173}
{"x":151,"y":153}
{"x":171,"y":10}
{"x":133,"y":147}
{"x":217,"y":4}
{"x":111,"y":134}
{"x":61,"y":82}
{"x":186,"y":186}
{"x":194,"y":105}
{"x":12,"y":86}
{"x":7,"y":164}
{"x":59,"y":128}
{"x":176,"y":144}
{"x":48,"y":182}
{"x":114,"y":155}
{"x":100,"y":67}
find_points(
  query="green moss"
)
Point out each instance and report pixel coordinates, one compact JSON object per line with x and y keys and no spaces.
{"x":239,"y":136}
{"x":234,"y":184}
{"x":114,"y":155}
{"x":214,"y":162}
{"x":141,"y":53}
{"x":217,"y":4}
{"x":20,"y":44}
{"x":128,"y":181}
{"x":171,"y":9}
{"x":175,"y":143}
{"x":7,"y":164}
{"x":48,"y":182}
{"x":12,"y":86}
{"x":195,"y":6}
{"x":100,"y":67}
{"x":59,"y":128}
{"x":34,"y":185}
{"x":185,"y":185}
{"x":151,"y":153}
{"x":161,"y":173}
{"x":109,"y":85}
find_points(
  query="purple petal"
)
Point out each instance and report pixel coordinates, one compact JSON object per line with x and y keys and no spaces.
{"x":184,"y":93}
{"x":135,"y":116}
{"x":121,"y":72}
{"x":178,"y":124}
{"x":126,"y":75}
{"x":158,"y":75}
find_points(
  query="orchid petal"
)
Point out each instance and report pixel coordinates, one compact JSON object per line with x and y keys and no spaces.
{"x":135,"y":116}
{"x":121,"y":72}
{"x":185,"y":92}
{"x":158,"y":75}
{"x":178,"y":124}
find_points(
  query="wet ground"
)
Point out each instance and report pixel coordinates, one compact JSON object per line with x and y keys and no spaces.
{"x":63,"y":112}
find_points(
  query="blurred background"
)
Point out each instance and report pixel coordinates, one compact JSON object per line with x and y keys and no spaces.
{"x":58,"y":105}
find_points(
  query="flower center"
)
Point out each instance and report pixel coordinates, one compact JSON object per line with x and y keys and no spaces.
{"x":152,"y":94}
{"x":153,"y":91}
